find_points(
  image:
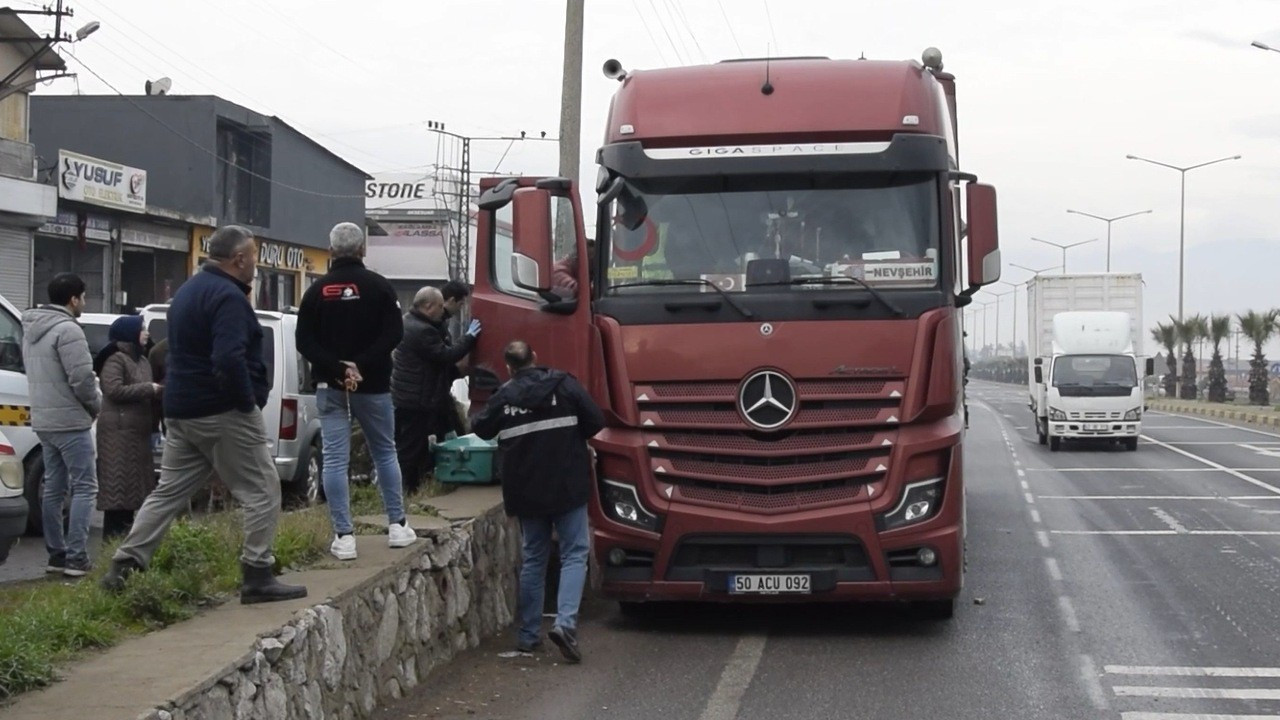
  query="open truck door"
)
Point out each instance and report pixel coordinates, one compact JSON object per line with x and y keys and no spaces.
{"x":532,"y":281}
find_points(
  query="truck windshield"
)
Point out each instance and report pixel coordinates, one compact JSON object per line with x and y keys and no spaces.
{"x":752,"y":234}
{"x":1095,"y":371}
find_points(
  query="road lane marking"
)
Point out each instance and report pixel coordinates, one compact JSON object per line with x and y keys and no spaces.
{"x":1192,"y":716}
{"x":1055,"y":572}
{"x":1069,"y":613}
{"x":1021,"y":472}
{"x":1198,"y":693}
{"x":1215,"y":423}
{"x":1263,"y":451}
{"x":1155,"y":470}
{"x":1159,"y":497}
{"x":1043,"y":538}
{"x":1035,"y":516}
{"x":1092,"y":683}
{"x":1233,"y":533}
{"x":1025,"y":485}
{"x":1169,"y":520}
{"x":1210,"y":463}
{"x":735,"y":679}
{"x":1186,"y":671}
{"x":1031,"y":499}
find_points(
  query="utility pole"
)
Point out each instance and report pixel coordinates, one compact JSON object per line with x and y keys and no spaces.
{"x":570,"y":118}
{"x":57,"y":12}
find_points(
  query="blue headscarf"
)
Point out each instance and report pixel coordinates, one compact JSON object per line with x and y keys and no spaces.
{"x":126,"y":330}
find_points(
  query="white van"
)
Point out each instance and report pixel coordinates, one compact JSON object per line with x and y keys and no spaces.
{"x":293,"y":422}
{"x":13,"y":503}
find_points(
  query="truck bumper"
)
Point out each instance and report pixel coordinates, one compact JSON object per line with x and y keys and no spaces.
{"x":840,"y":551}
{"x":1084,"y":430}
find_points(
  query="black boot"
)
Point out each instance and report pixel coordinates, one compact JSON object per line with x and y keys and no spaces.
{"x":113,"y":581}
{"x":260,"y":586}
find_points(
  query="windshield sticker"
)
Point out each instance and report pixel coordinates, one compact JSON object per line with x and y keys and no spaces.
{"x":728,"y":283}
{"x":624,"y":272}
{"x":925,"y":271}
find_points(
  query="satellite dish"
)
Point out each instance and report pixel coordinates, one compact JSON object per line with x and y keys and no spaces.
{"x":159,"y":87}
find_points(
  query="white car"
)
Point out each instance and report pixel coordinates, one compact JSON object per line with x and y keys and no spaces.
{"x":13,"y":503}
{"x":15,"y":410}
{"x":97,"y":327}
{"x":291,"y":416}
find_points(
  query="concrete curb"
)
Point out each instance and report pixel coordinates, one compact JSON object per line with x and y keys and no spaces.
{"x":1245,"y":415}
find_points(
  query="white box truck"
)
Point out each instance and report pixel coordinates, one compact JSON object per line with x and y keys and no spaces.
{"x":1086,"y":356}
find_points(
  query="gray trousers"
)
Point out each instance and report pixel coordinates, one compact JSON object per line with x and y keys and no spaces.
{"x":235,"y":445}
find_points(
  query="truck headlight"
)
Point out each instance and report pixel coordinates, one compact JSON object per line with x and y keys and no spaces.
{"x":11,"y":474}
{"x":920,"y":501}
{"x":1056,"y":414}
{"x":622,"y":504}
{"x":1134,"y":414}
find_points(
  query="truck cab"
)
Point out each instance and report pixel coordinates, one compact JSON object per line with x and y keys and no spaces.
{"x":768,"y":316}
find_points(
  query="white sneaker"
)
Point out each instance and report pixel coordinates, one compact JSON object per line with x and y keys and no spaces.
{"x":344,"y":547}
{"x":400,"y":536}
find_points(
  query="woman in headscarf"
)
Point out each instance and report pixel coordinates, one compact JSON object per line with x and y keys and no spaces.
{"x":126,"y":474}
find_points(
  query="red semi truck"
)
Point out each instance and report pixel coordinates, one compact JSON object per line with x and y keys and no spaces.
{"x":770,"y":316}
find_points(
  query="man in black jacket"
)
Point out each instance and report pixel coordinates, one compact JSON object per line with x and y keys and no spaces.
{"x":215,"y":388}
{"x":348,"y":325}
{"x":543,"y":419}
{"x":424,"y":367}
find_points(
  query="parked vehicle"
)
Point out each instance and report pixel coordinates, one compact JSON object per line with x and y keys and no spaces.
{"x":291,"y":417}
{"x":1085,"y":357}
{"x":15,"y":411}
{"x":13,"y":503}
{"x":771,"y":323}
{"x":97,"y":327}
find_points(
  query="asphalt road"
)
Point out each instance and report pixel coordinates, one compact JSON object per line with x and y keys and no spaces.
{"x":1102,"y":584}
{"x":28,"y":558}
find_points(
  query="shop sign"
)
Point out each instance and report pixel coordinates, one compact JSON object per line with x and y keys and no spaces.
{"x":67,"y":224}
{"x":270,"y":254}
{"x":154,"y":236}
{"x":400,"y":193}
{"x":100,"y":182}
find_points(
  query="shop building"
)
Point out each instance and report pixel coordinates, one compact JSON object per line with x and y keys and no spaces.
{"x":203,"y":162}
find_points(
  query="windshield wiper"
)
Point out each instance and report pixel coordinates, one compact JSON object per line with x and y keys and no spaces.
{"x":746,"y":314}
{"x":837,"y":280}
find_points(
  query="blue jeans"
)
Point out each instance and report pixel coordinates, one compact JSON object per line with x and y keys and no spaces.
{"x":575,"y":542}
{"x":70,"y":466}
{"x":377,"y":419}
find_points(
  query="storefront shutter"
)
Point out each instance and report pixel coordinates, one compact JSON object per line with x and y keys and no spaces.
{"x":15,"y":266}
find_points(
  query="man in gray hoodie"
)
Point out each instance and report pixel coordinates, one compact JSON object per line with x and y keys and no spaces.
{"x":65,"y":400}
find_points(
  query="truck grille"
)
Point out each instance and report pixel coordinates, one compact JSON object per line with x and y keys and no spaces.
{"x":1095,"y":416}
{"x":840,"y":439}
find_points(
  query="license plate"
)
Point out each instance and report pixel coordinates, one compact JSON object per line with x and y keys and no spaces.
{"x":768,"y":584}
{"x":1097,"y":426}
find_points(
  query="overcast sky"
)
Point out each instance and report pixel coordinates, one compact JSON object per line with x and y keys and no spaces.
{"x":1052,"y":96}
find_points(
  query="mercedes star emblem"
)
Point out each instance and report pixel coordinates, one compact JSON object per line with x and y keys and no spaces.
{"x":767,"y":399}
{"x":766,"y":329}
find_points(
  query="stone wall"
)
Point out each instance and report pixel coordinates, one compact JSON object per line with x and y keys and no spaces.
{"x":344,"y":658}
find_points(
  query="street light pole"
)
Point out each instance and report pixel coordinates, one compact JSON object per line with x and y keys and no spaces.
{"x":1015,"y":286}
{"x":1033,"y":271}
{"x":1263,"y":46}
{"x":1182,"y":218}
{"x":1108,"y":221}
{"x":1064,"y":249}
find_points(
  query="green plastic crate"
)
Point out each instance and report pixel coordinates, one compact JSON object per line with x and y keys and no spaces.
{"x":466,"y":460}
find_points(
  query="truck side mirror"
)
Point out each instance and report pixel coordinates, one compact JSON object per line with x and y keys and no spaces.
{"x":1151,"y":367}
{"x":531,"y":239}
{"x":1039,"y":375}
{"x":983,"y":235}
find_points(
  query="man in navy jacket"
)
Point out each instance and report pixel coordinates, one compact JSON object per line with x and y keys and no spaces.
{"x":215,"y":388}
{"x":543,"y":419}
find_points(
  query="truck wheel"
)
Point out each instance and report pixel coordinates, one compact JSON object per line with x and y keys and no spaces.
{"x":936,"y":610}
{"x":1055,"y":444}
{"x":1131,"y":444}
{"x":34,"y":484}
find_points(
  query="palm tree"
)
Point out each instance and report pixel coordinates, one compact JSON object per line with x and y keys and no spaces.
{"x":1259,"y":327}
{"x":1219,"y":329}
{"x":1167,"y":336}
{"x":1188,"y":332}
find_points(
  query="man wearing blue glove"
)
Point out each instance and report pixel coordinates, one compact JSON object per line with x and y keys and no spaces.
{"x":424,"y":366}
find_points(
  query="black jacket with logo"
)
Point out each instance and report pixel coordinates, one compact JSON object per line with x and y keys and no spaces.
{"x":425,"y":364}
{"x":350,"y":314}
{"x":542,"y":419}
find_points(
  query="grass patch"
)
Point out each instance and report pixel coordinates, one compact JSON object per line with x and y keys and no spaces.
{"x":197,"y":565}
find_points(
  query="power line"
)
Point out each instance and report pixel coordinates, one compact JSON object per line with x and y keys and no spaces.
{"x":689,"y":28}
{"x":675,"y":25}
{"x":206,"y":150}
{"x":666,"y":32}
{"x":652,"y":38}
{"x":732,"y":32}
{"x":304,"y":31}
{"x":772,"y":32}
